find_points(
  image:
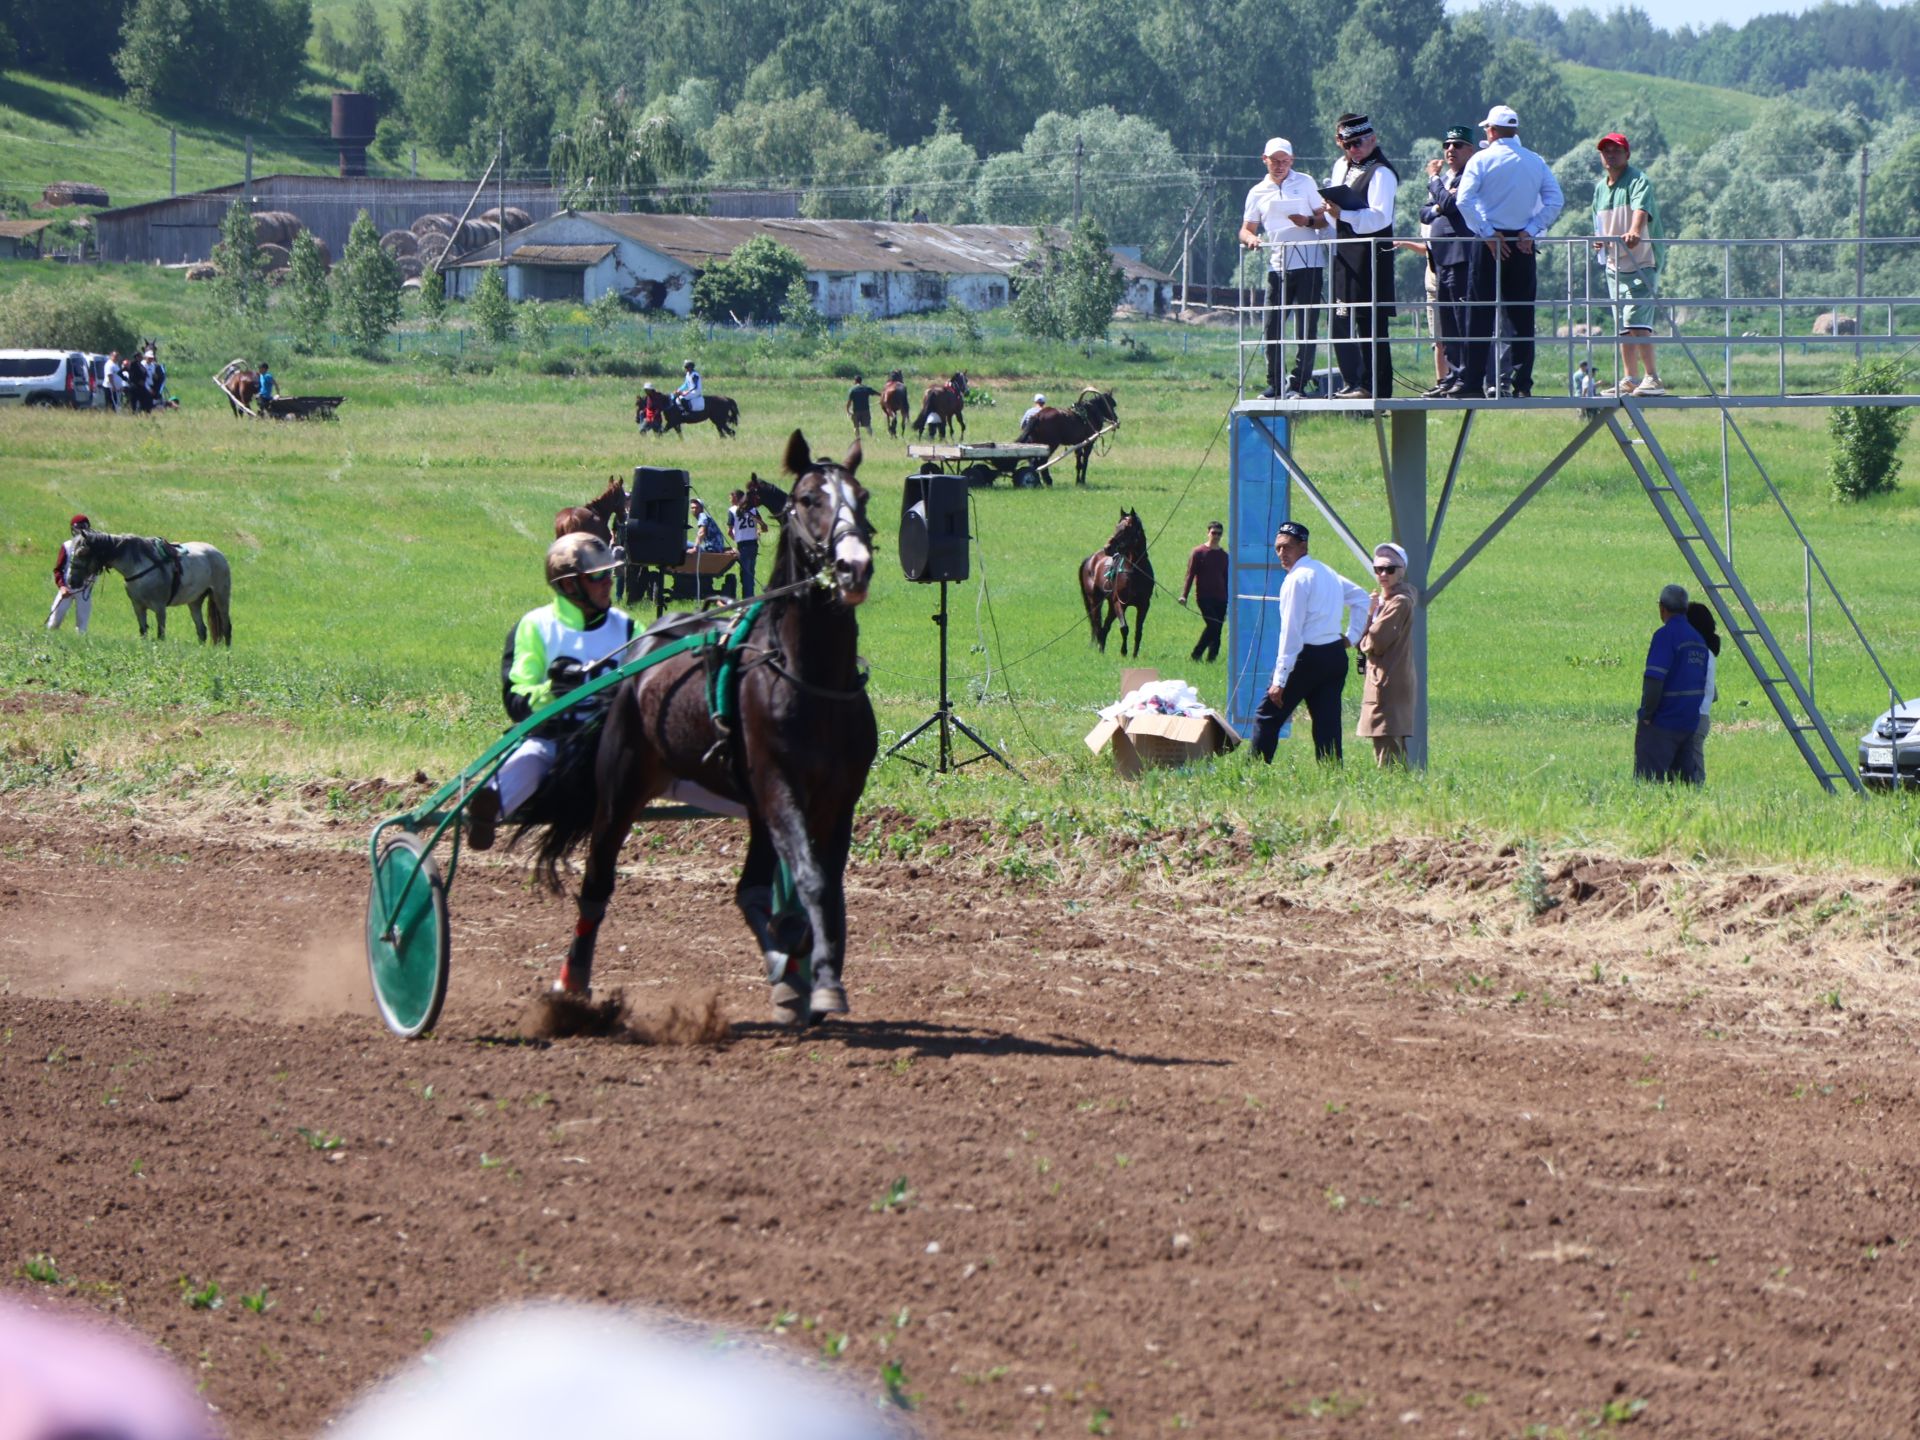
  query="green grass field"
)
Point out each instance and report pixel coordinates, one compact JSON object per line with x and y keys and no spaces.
{"x":1690,"y":113}
{"x":379,"y":562}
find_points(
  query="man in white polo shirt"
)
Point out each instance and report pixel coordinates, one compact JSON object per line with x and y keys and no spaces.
{"x":1283,"y":214}
{"x":1312,"y":664}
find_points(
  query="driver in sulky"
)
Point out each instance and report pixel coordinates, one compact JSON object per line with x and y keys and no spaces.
{"x":553,"y":650}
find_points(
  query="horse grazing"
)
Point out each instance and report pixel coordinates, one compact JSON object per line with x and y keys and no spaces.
{"x":1119,"y":577}
{"x":792,"y":751}
{"x":944,"y":402}
{"x":893,"y":403}
{"x":597,"y":516}
{"x":1092,"y":414}
{"x":721,"y":412}
{"x":158,"y":574}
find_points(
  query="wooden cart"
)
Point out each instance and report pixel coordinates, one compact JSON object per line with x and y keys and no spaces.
{"x":981,"y":463}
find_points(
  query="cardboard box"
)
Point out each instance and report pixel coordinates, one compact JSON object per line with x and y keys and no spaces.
{"x":1138,"y":741}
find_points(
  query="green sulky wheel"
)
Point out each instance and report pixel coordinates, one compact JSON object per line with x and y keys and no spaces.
{"x":407,"y":960}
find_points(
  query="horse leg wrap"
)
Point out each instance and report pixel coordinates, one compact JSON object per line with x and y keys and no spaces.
{"x":576,"y":973}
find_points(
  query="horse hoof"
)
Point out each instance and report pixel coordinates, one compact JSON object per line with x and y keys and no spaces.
{"x":790,"y":1004}
{"x":829,"y":999}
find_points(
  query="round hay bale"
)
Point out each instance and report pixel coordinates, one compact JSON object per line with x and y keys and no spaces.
{"x":276,"y":227}
{"x":274,"y":256}
{"x":202,"y":272}
{"x":409,"y":266}
{"x":434,"y":225}
{"x":517,"y":219}
{"x":476,"y":233}
{"x":1828,"y":323}
{"x":412,"y":283}
{"x":400,"y":243}
{"x":279,"y":275}
{"x":432,"y":245}
{"x":326,"y":255}
{"x":73,"y":192}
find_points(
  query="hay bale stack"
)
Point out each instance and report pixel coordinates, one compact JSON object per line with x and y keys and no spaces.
{"x":202,"y":272}
{"x":1828,"y":323}
{"x":73,"y":192}
{"x":326,"y":255}
{"x":517,"y":219}
{"x":401,"y":244}
{"x":475,"y":234}
{"x":409,"y":266}
{"x":276,"y":227}
{"x":434,"y":225}
{"x":432,"y":246}
{"x":274,"y":256}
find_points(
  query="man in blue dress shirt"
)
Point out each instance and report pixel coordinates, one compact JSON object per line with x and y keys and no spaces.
{"x":1509,"y":198}
{"x":1671,"y":690}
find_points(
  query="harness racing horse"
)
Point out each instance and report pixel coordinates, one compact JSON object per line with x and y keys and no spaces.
{"x":158,"y":574}
{"x":721,"y":412}
{"x":597,"y":516}
{"x":893,"y":403}
{"x":945,"y":403}
{"x":1092,"y":414}
{"x":793,"y":751}
{"x":1119,"y":577}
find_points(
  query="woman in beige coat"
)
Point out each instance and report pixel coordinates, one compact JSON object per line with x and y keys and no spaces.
{"x":1386,"y":648}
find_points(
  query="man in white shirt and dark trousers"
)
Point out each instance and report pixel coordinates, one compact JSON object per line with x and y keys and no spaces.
{"x":1284,"y":214}
{"x":1509,"y":198}
{"x":1314,"y":641}
{"x":1363,"y":262}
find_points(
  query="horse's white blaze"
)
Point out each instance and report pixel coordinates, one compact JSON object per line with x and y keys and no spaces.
{"x":848,"y":548}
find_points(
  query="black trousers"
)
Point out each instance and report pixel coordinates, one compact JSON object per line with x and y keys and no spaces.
{"x":1450,"y":277}
{"x":1318,"y":678}
{"x":1214,"y":614}
{"x":1300,"y":292}
{"x":749,"y":552}
{"x":1514,"y":282}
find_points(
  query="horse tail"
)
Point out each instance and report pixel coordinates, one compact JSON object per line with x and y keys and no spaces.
{"x":567,"y":801}
{"x":220,"y":601}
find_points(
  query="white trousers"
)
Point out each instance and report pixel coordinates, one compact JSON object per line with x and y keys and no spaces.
{"x":523,"y":771}
{"x":78,"y":601}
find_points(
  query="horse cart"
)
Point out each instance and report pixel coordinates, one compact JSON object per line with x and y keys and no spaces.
{"x":240,"y":385}
{"x":303,"y":407}
{"x":981,"y":463}
{"x":704,"y":578}
{"x":408,"y":933}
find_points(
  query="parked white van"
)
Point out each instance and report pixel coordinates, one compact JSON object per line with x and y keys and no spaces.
{"x":45,"y":377}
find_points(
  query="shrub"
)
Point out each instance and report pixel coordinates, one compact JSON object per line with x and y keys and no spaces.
{"x":1866,"y":438}
{"x":492,"y":311}
{"x":433,"y":297}
{"x":367,"y":288}
{"x":750,"y":285}
{"x":79,"y":317}
{"x":240,"y":288}
{"x":308,"y":297}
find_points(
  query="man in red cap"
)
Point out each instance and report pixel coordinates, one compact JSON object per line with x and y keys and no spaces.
{"x":1626,"y":216}
{"x":65,"y":597}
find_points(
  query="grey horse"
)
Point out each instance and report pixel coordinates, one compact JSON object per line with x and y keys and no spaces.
{"x":158,"y":574}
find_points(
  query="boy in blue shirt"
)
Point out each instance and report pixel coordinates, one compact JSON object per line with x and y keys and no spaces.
{"x":1671,"y":689}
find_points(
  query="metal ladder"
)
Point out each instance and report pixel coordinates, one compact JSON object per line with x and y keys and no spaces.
{"x":1738,"y":614}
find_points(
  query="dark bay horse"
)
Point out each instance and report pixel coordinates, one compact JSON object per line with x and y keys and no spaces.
{"x":1074,"y":429}
{"x":158,"y":574}
{"x":721,"y":412}
{"x":1118,"y":577}
{"x":597,"y":516}
{"x":794,"y":755}
{"x":946,"y":403}
{"x":893,"y":403}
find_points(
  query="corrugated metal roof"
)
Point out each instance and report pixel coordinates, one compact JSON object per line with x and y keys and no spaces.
{"x":566,"y":257}
{"x":22,"y":229}
{"x":849,"y":246}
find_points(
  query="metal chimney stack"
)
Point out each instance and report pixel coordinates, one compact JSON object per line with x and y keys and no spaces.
{"x":354,"y":117}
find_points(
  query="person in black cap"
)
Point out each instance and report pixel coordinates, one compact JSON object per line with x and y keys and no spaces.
{"x":1447,"y":257}
{"x":1363,"y":262}
{"x":1312,"y":664}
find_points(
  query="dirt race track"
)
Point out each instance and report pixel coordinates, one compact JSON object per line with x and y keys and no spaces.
{"x":1349,"y":1146}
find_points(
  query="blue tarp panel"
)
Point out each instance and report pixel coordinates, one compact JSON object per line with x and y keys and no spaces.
{"x":1260,"y":503}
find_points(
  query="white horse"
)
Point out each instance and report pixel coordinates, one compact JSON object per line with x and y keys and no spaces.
{"x":158,"y":574}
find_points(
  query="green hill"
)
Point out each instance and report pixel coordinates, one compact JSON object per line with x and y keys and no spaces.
{"x":56,"y":131}
{"x":1689,"y":114}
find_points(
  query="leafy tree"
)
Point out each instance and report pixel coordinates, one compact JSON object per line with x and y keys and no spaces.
{"x":934,"y":178}
{"x":1130,"y":177}
{"x":522,"y":107}
{"x":446,"y":92}
{"x":1642,"y":127}
{"x":45,"y":317}
{"x":798,"y":314}
{"x":237,"y":56}
{"x":240,"y":287}
{"x":308,"y":295}
{"x":533,"y":324}
{"x":1091,"y":283}
{"x":1865,"y":459}
{"x":750,"y":285}
{"x":803,"y":142}
{"x":1524,"y":78}
{"x":606,"y":313}
{"x":433,"y":296}
{"x":367,"y":288}
{"x":1035,"y":307}
{"x":612,"y":157}
{"x":492,"y":311}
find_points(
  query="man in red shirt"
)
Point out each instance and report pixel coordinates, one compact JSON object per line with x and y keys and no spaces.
{"x":1207,"y":574}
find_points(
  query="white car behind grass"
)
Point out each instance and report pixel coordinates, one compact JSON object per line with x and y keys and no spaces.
{"x":45,"y":377}
{"x":1890,"y":750}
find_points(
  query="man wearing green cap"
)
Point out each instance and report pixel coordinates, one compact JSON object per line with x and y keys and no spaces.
{"x":1448,"y":256}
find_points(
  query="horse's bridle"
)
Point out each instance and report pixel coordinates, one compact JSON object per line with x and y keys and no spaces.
{"x":846,"y":523}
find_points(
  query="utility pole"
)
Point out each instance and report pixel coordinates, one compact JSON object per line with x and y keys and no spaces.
{"x":413,"y":170}
{"x":1079,"y":154}
{"x":500,"y":196}
{"x":248,"y":187}
{"x":893,"y":203}
{"x":173,"y":162}
{"x":1213,"y":240}
{"x":1859,"y":268}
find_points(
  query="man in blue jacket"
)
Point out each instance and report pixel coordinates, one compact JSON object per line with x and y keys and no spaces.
{"x":1671,"y":689}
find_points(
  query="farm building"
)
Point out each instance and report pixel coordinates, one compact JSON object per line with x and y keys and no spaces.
{"x":185,"y":228}
{"x":854,"y":267}
{"x":20,"y":239}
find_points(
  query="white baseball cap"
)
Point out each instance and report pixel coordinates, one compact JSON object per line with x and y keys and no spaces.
{"x":1039,"y":399}
{"x":1503,"y":116}
{"x":1277,"y":146}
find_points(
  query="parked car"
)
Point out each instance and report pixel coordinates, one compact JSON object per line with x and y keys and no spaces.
{"x":97,"y":378}
{"x":45,"y":377}
{"x":1890,"y":750}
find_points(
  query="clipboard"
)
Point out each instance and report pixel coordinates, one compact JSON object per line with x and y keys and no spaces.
{"x":1344,"y":196}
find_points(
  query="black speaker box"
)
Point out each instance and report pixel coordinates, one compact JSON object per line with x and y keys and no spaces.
{"x":656,"y":528}
{"x":933,"y":528}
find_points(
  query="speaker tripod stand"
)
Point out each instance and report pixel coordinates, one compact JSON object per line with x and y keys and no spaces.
{"x":945,"y":718}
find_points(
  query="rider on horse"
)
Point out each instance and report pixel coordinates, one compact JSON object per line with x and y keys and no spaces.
{"x":689,"y":397}
{"x":553,"y":649}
